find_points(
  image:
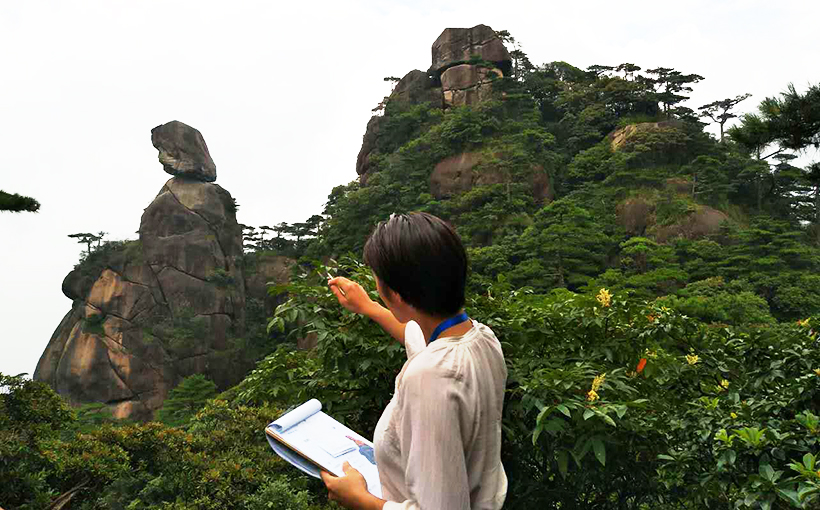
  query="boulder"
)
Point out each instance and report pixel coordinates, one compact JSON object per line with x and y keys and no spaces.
{"x":458,"y":45}
{"x":159,"y":309}
{"x":182,"y":151}
{"x":467,"y":84}
{"x":462,"y":172}
{"x":703,"y":222}
{"x":454,"y":175}
{"x":417,"y":87}
{"x":464,"y":76}
{"x":635,"y":215}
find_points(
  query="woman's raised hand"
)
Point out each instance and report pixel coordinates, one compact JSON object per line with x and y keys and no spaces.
{"x":350,"y":294}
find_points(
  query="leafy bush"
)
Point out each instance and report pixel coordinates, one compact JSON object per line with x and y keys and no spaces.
{"x":611,"y":402}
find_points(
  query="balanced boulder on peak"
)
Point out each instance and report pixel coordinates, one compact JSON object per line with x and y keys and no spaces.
{"x":183,"y":152}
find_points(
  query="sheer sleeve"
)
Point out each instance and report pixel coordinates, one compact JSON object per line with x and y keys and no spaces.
{"x":432,"y":446}
{"x":414,"y":341}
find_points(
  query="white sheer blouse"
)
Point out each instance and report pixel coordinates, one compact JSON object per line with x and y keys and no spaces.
{"x":438,"y":441}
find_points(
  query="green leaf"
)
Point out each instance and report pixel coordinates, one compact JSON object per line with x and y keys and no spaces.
{"x":564,"y":409}
{"x":588,"y":414}
{"x":766,"y":471}
{"x":607,"y":419}
{"x":600,"y":451}
{"x":563,"y":462}
{"x":544,"y":412}
{"x":791,"y":496}
{"x":536,"y":433}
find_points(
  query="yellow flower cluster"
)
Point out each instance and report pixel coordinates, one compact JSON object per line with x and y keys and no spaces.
{"x":733,"y":415}
{"x":651,"y":354}
{"x":592,"y":394}
{"x":725,"y":384}
{"x":598,"y":381}
{"x":817,"y":371}
{"x":604,"y":297}
{"x":692,"y":358}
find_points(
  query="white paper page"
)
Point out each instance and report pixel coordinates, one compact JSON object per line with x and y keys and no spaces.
{"x":302,"y":412}
{"x":318,"y":432}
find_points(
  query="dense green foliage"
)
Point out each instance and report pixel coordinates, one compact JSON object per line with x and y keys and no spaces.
{"x":221,"y":461}
{"x":15,"y":202}
{"x":665,"y":207}
{"x":611,"y":402}
{"x":656,"y":292}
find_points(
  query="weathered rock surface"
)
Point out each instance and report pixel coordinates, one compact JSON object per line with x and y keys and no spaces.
{"x":182,"y":151}
{"x":459,"y":45}
{"x":450,"y":81}
{"x":703,"y":222}
{"x":417,"y":87}
{"x":163,"y":308}
{"x":268,"y":269}
{"x":371,"y":136}
{"x":636,"y":215}
{"x":466,"y":84}
{"x":622,"y":136}
{"x":462,"y":172}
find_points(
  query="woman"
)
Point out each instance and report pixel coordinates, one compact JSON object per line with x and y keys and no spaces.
{"x":438,"y":441}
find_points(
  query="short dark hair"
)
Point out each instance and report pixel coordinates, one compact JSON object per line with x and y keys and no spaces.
{"x":422,"y":259}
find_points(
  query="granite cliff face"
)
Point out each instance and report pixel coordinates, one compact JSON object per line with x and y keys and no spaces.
{"x":160,"y":308}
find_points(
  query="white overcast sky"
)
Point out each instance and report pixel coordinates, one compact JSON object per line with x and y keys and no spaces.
{"x":282,"y":92}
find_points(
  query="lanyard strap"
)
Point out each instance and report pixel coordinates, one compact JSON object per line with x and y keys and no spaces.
{"x":449,"y":323}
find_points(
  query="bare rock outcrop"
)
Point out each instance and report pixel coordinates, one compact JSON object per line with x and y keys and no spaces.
{"x":636,"y":215}
{"x":621,"y":137}
{"x":161,"y":308}
{"x":455,"y":53}
{"x":703,"y":222}
{"x":462,"y":172}
{"x":417,"y":87}
{"x":467,"y":84}
{"x":465,"y":62}
{"x":182,"y":151}
{"x":459,"y":45}
{"x":371,"y":136}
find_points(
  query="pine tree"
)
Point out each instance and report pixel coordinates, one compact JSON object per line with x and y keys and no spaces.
{"x":568,"y":242}
{"x":17,"y":203}
{"x":186,"y":399}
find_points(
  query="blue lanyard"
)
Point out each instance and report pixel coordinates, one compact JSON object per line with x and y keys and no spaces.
{"x":449,"y":323}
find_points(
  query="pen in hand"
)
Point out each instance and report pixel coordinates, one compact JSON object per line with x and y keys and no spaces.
{"x":329,"y":277}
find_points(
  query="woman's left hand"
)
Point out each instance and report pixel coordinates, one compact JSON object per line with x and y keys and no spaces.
{"x":349,"y":490}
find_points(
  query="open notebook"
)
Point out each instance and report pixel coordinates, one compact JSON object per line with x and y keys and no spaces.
{"x":313,"y":441}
